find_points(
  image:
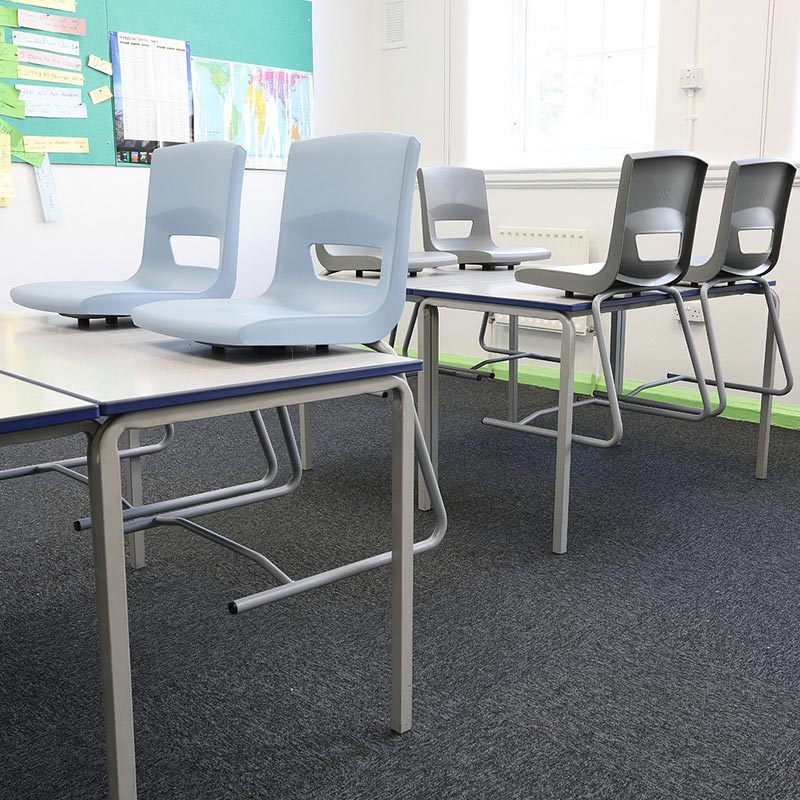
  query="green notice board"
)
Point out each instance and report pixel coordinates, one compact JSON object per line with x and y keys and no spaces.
{"x":276,"y":33}
{"x":98,"y":127}
{"x":270,"y":32}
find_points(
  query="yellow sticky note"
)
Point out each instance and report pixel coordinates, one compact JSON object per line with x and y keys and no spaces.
{"x":56,"y":144}
{"x":51,"y":75}
{"x":100,"y":65}
{"x":5,"y":154}
{"x":100,"y":95}
{"x":7,"y":185}
{"x":5,"y":202}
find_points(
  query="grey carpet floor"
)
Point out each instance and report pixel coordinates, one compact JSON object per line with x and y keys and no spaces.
{"x":659,"y":659}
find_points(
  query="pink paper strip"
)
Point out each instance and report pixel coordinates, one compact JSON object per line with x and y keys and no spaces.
{"x":48,"y":59}
{"x":51,"y":22}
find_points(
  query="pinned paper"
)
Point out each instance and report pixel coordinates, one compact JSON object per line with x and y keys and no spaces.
{"x":39,"y":41}
{"x":58,"y":5}
{"x":16,"y":136}
{"x":8,"y":69}
{"x":8,"y":52}
{"x":9,"y":17}
{"x":51,"y":75}
{"x":31,"y":158}
{"x":7,"y":189}
{"x":47,"y":191}
{"x":16,"y":110}
{"x":100,"y":95}
{"x":5,"y":202}
{"x":100,"y":65}
{"x":56,"y":144}
{"x":56,"y":60}
{"x":8,"y":94}
{"x":76,"y":26}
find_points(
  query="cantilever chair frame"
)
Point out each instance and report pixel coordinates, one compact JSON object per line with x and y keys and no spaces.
{"x":612,"y":396}
{"x":713,"y":272}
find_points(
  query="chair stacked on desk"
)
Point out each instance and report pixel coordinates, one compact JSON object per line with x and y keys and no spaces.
{"x":659,"y":195}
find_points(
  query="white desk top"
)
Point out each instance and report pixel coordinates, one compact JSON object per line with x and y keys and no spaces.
{"x":125,"y":369}
{"x":500,"y":287}
{"x":25,"y":405}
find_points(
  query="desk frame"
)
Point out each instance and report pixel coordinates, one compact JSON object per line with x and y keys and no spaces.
{"x":429,"y":305}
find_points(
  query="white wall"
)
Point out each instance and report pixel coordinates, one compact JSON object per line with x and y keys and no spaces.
{"x":748,"y":107}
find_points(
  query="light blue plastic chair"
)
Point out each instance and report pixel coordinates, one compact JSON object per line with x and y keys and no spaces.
{"x":352,"y":190}
{"x":195,"y":190}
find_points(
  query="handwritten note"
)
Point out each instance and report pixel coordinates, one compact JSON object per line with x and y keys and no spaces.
{"x":100,"y":95}
{"x":6,"y":181}
{"x":9,"y":17}
{"x":51,"y":75}
{"x":39,"y":41}
{"x":8,"y":52}
{"x":8,"y":94}
{"x":100,"y":65}
{"x":32,"y":158}
{"x":49,"y":59}
{"x":56,"y":144}
{"x":47,"y":191}
{"x":16,"y":110}
{"x":16,"y":136}
{"x":8,"y":69}
{"x":76,"y":26}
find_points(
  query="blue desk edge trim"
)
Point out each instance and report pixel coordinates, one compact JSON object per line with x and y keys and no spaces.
{"x":47,"y":420}
{"x":165,"y":401}
{"x":687,"y":292}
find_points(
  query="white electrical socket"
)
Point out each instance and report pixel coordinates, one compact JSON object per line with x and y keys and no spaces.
{"x":691,"y":78}
{"x":694,"y":312}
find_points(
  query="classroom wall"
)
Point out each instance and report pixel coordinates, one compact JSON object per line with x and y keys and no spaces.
{"x":749,"y":52}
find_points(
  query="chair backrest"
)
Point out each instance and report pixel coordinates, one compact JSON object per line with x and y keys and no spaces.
{"x":657,"y":203}
{"x":354,"y":190}
{"x":195,"y":190}
{"x":450,"y":194}
{"x":756,"y":199}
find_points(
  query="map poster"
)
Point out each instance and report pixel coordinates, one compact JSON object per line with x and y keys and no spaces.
{"x":264,"y":109}
{"x":152,"y":95}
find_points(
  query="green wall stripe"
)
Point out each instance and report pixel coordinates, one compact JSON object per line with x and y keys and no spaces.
{"x":745,"y":409}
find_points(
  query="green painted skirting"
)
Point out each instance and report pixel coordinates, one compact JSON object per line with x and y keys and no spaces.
{"x":742,"y":408}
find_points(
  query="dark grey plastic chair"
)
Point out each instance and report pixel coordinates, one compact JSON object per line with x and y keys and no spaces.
{"x":195,"y":190}
{"x":659,"y":194}
{"x":756,"y":199}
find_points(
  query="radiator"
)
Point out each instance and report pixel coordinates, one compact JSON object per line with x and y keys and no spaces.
{"x":568,"y":246}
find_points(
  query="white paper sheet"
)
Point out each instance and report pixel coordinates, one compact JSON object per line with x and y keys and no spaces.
{"x":47,"y":191}
{"x":39,"y":41}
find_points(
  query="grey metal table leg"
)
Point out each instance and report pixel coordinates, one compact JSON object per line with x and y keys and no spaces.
{"x":513,"y":370}
{"x":617,"y":351}
{"x":429,"y":393}
{"x":402,"y":558}
{"x":132,"y":475}
{"x":112,"y":611}
{"x":566,"y":390}
{"x":765,"y":418}
{"x":618,"y":322}
{"x":306,"y":451}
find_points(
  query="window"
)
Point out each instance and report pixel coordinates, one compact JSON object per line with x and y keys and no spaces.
{"x":560,"y":83}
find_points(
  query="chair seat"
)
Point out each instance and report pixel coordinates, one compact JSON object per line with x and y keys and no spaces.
{"x":572,"y":278}
{"x":501,"y":256}
{"x":420,"y":260}
{"x":259,"y":322}
{"x":98,"y":298}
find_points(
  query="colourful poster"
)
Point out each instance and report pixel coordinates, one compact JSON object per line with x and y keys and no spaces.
{"x":264,"y":109}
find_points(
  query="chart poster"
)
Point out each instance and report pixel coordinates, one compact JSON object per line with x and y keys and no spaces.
{"x":264,"y":109}
{"x":152,"y":95}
